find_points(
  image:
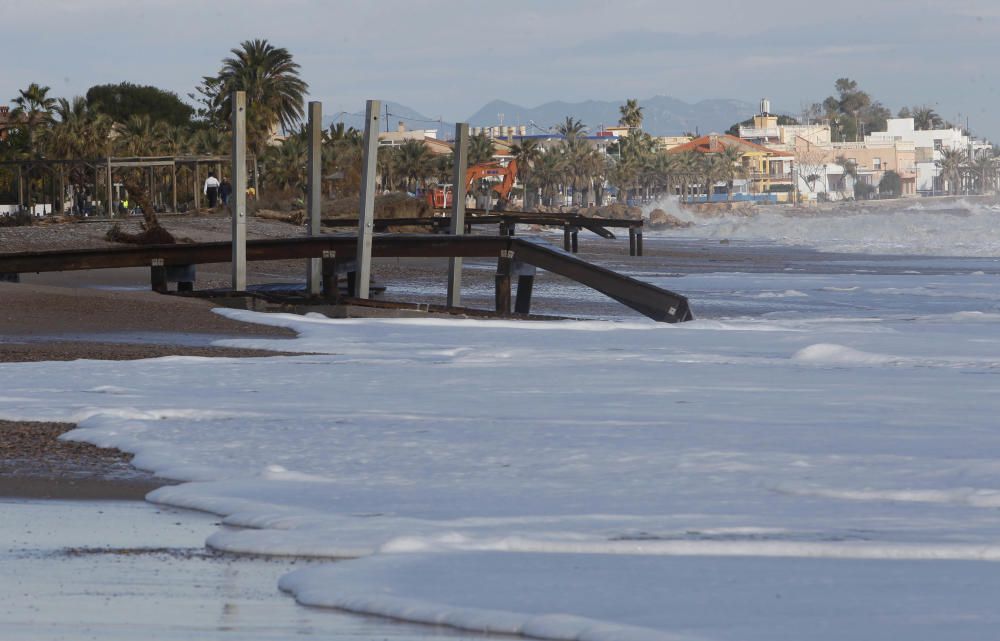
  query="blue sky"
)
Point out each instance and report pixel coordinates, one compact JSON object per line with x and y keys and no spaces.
{"x":447,"y":58}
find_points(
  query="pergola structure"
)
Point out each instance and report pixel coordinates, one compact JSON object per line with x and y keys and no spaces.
{"x":104,"y":171}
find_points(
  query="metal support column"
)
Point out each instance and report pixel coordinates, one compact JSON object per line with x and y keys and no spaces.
{"x":502,"y":282}
{"x":173,"y":183}
{"x":238,"y":209}
{"x":329,"y":268}
{"x":638,"y":242}
{"x":158,"y":276}
{"x":525,"y":284}
{"x":631,"y":241}
{"x":366,"y":215}
{"x":458,"y":193}
{"x":314,"y":195}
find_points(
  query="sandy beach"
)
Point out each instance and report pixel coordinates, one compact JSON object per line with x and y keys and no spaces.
{"x":103,"y":315}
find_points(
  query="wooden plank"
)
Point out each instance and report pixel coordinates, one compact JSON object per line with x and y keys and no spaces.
{"x":649,"y":300}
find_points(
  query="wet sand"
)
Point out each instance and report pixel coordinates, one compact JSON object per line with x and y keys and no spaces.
{"x":34,"y":463}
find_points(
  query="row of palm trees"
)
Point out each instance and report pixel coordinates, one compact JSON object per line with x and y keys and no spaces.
{"x":568,"y":170}
{"x":45,"y":127}
{"x":964,"y":175}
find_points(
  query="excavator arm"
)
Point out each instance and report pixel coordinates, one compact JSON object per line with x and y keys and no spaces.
{"x":485,"y":170}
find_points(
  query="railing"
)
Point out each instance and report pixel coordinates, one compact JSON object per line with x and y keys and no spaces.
{"x":761,"y":175}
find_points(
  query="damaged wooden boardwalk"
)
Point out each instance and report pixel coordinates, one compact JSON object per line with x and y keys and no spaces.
{"x":516,"y":258}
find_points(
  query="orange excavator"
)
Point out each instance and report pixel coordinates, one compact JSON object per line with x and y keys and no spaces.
{"x":440,"y":198}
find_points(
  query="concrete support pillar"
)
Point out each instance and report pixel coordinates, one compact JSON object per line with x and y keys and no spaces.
{"x":461,"y":163}
{"x":238,"y":207}
{"x":366,"y":215}
{"x":314,"y":193}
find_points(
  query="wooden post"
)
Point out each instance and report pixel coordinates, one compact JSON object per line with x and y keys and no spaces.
{"x":20,"y":188}
{"x":638,"y":241}
{"x":631,"y":241}
{"x":366,"y":215}
{"x":150,"y":191}
{"x":352,"y":283}
{"x":567,"y":243}
{"x":158,"y":276}
{"x":502,"y":282}
{"x":239,"y":202}
{"x":314,"y":193}
{"x":197,"y":185}
{"x":173,"y":185}
{"x":97,"y":180}
{"x":111,"y":204}
{"x":62,"y":192}
{"x":457,"y":227}
{"x":329,"y":268}
{"x":576,"y":239}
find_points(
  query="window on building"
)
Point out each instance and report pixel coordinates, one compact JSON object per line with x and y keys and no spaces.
{"x":877,"y":163}
{"x":938,"y":143}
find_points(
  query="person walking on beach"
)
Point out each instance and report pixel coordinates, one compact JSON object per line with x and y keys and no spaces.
{"x":225,"y":189}
{"x":212,"y":190}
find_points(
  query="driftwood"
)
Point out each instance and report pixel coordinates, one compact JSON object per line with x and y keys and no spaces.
{"x":296,"y":217}
{"x":153,"y":233}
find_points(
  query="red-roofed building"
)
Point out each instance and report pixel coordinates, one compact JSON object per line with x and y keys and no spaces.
{"x":767,"y":170}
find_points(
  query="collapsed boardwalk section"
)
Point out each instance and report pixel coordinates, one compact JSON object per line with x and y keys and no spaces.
{"x":649,"y":300}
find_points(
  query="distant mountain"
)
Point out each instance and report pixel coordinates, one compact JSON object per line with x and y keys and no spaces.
{"x":411,"y":118}
{"x":662,"y":115}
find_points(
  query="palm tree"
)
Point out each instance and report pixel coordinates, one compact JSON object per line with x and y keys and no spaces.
{"x":339,"y":132}
{"x":985,"y":170}
{"x":685,"y":166}
{"x":631,"y":114}
{"x":952,"y":164}
{"x":414,"y":163}
{"x":140,"y":136}
{"x":548,"y":174}
{"x":850,"y":168}
{"x":526,"y":154}
{"x":270,"y":78}
{"x":480,"y":149}
{"x":925,"y":118}
{"x":286,"y":165}
{"x":33,"y":108}
{"x":731,"y":167}
{"x":274,"y":90}
{"x":571,"y":128}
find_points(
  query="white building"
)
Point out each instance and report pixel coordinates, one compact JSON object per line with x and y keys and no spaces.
{"x":928,"y":145}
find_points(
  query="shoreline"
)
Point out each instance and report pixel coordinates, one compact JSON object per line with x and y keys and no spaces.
{"x":69,"y":319}
{"x":36,"y":464}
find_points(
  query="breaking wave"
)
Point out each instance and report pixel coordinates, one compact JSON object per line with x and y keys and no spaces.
{"x":938,"y":227}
